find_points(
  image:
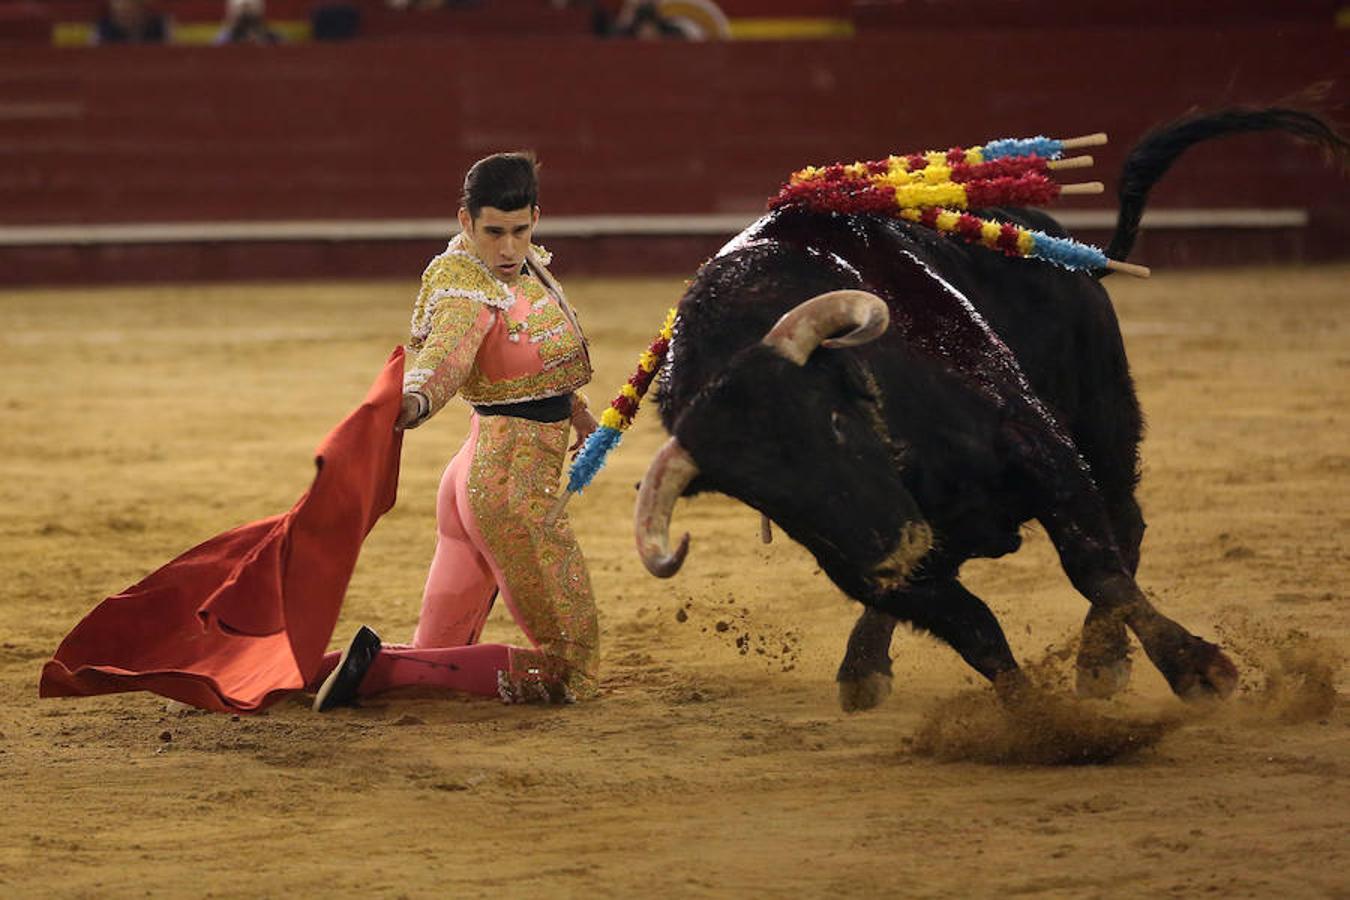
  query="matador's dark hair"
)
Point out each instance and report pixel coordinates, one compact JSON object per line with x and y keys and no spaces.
{"x":505,"y":181}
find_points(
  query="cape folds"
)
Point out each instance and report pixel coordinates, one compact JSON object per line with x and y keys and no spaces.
{"x":237,"y":622}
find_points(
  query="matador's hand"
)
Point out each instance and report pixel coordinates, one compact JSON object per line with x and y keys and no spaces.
{"x":410,"y":414}
{"x":584,"y":423}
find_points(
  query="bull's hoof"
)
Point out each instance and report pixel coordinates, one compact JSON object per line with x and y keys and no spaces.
{"x":864,"y":693}
{"x":1103,"y":663}
{"x":1098,"y":682}
{"x":1206,"y":673}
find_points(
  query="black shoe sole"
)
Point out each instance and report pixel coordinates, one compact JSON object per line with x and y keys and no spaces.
{"x":323,"y":698}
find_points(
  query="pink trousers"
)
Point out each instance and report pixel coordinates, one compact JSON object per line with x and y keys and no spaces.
{"x":493,"y":539}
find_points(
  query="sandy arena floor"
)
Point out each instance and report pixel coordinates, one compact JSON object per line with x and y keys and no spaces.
{"x":136,"y":422}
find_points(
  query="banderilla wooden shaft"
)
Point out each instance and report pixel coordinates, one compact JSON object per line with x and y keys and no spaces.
{"x":1125,"y":268}
{"x":1072,"y":162}
{"x":558,"y":508}
{"x":1085,"y":187}
{"x":1087,"y":140}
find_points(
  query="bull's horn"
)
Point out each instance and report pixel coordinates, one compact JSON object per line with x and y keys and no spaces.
{"x":810,"y":324}
{"x":669,"y":474}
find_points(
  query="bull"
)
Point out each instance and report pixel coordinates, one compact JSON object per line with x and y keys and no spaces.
{"x":898,"y":403}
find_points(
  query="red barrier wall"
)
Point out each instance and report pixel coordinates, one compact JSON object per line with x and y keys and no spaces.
{"x":906,"y":14}
{"x":385,"y":130}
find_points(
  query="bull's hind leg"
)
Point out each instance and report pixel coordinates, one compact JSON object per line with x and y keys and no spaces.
{"x":865,"y":674}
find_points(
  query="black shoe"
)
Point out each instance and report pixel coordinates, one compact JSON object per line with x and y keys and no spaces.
{"x":339,"y":688}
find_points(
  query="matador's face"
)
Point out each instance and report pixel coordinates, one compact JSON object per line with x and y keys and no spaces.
{"x":501,"y":237}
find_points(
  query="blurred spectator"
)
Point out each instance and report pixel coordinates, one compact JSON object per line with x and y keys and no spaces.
{"x":245,"y":23}
{"x":335,"y":22}
{"x":603,"y":14}
{"x":434,"y":4}
{"x":649,"y":25}
{"x":642,"y":19}
{"x":131,"y":22}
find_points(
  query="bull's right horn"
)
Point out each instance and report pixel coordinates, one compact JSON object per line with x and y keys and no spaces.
{"x":809,"y":324}
{"x":669,"y":474}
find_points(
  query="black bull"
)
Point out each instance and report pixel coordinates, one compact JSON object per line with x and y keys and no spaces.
{"x":899,"y":402}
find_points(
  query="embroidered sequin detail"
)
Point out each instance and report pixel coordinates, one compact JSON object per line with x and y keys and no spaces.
{"x":512,"y":487}
{"x":460,"y":303}
{"x":569,"y":376}
{"x":446,"y":357}
{"x":549,"y":329}
{"x":562,"y":358}
{"x":413,"y":379}
{"x":458,"y":272}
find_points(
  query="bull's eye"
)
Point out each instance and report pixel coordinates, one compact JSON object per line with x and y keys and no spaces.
{"x":837,"y":426}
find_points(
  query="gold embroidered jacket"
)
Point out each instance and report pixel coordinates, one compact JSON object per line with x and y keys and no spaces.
{"x":490,"y":341}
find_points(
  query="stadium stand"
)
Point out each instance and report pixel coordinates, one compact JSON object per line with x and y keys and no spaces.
{"x":70,"y":22}
{"x":315,"y":158}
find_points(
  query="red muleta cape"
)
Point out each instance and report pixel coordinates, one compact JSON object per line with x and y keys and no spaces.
{"x":235,"y":623}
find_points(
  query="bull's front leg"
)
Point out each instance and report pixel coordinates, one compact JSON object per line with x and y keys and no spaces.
{"x":1075,"y":517}
{"x":1193,"y":667}
{"x":865,"y":674}
{"x":943,"y":608}
{"x":1103,"y":654}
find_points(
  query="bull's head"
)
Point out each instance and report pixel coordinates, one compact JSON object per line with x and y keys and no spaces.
{"x":801,"y":436}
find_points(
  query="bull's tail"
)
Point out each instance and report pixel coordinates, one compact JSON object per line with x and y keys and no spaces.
{"x":1157,"y":150}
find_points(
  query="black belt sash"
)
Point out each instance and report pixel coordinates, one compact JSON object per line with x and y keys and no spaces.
{"x":549,"y":409}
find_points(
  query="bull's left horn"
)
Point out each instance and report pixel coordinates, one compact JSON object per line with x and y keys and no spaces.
{"x":669,"y":474}
{"x":809,"y":325}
